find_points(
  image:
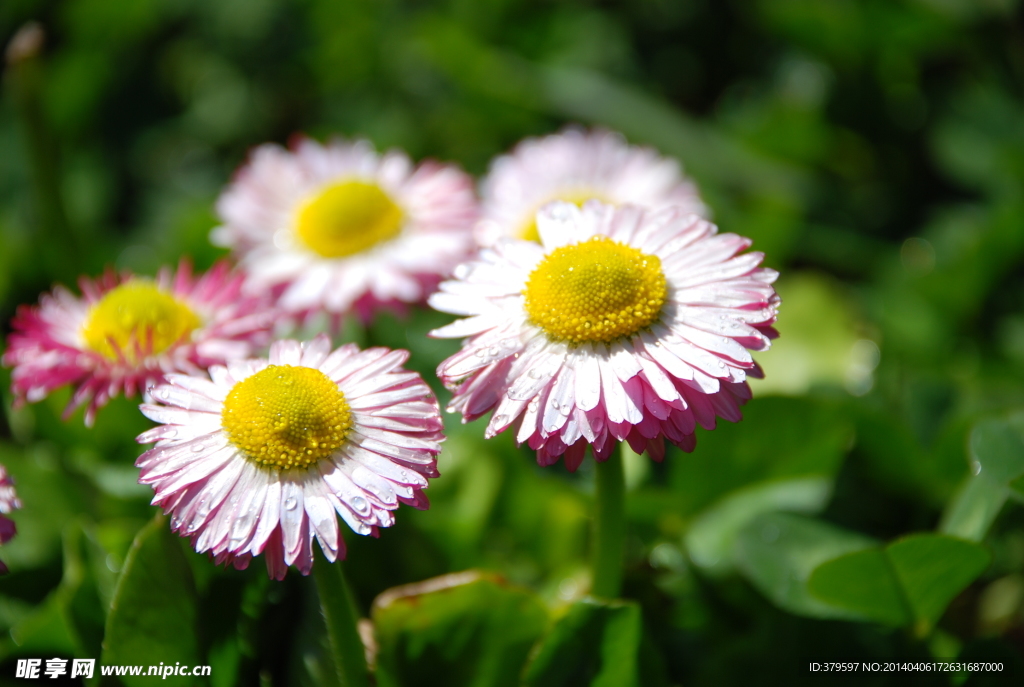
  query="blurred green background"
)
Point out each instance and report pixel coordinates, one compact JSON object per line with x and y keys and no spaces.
{"x":873,"y":149}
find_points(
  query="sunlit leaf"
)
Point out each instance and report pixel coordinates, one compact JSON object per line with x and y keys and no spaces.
{"x":711,"y":538}
{"x":473,"y":630}
{"x":910,"y":581}
{"x":778,"y":553}
{"x":598,"y":643}
{"x":152,"y":618}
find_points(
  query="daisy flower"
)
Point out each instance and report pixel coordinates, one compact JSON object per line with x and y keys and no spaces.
{"x":126,"y":332}
{"x":621,"y":325}
{"x":8,"y":502}
{"x":260,"y":456}
{"x":576,"y":166}
{"x":338,"y":227}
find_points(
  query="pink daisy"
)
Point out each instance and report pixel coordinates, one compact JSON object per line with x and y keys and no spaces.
{"x":621,"y":325}
{"x":126,"y":332}
{"x":8,"y":502}
{"x":261,"y":456}
{"x":576,"y":166}
{"x":338,"y":227}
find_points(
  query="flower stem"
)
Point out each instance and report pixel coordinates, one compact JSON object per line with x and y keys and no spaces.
{"x":609,"y":527}
{"x":340,"y":616}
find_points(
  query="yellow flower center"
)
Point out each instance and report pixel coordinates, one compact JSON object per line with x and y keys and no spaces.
{"x":529,"y":232}
{"x":598,"y":290}
{"x":347,"y":218}
{"x":137,"y":319}
{"x":286,"y":417}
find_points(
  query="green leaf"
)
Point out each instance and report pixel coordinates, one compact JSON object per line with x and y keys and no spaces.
{"x":711,"y":538}
{"x":933,"y":569}
{"x":598,"y":643}
{"x":473,"y":630}
{"x":152,"y":618}
{"x":778,"y":438}
{"x":997,"y":448}
{"x":778,"y":552}
{"x":910,"y":581}
{"x":863,"y":583}
{"x":997,"y":464}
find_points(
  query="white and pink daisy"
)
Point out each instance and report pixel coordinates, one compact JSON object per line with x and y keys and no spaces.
{"x":338,"y":227}
{"x":621,"y":325}
{"x":126,"y":332}
{"x":576,"y":166}
{"x":262,"y":456}
{"x":8,"y":502}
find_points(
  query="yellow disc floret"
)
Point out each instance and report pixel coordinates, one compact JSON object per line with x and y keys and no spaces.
{"x":598,"y":290}
{"x":137,"y":319}
{"x":347,"y":218}
{"x":286,"y":417}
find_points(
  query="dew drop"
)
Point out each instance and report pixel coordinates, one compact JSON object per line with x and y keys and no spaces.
{"x":493,"y":351}
{"x":359,"y":503}
{"x":976,"y":467}
{"x":290,"y":503}
{"x":499,"y":420}
{"x":480,"y":353}
{"x":533,"y":373}
{"x":170,"y":433}
{"x":198,"y":448}
{"x":404,"y":474}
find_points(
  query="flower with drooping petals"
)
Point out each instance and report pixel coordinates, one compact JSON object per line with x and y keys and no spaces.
{"x":8,"y":502}
{"x":261,"y":456}
{"x":126,"y":332}
{"x":338,"y":227}
{"x":576,"y":166}
{"x":622,"y":324}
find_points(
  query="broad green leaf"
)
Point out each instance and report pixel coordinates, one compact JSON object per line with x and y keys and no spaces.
{"x":462,"y":630}
{"x":973,"y":509}
{"x":778,"y":438}
{"x":996,"y":452}
{"x":861,"y":582}
{"x":997,"y":448}
{"x":711,"y":538}
{"x":908,"y":582}
{"x":778,"y":552}
{"x":598,"y":643}
{"x":153,"y":615}
{"x":933,"y":569}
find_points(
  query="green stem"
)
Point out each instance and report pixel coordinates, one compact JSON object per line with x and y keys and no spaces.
{"x":341,"y":616}
{"x":609,"y":527}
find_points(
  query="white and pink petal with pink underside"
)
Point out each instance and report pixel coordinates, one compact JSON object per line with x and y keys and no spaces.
{"x":687,"y":369}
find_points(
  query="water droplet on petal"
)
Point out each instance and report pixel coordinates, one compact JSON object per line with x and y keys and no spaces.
{"x":499,"y":420}
{"x":533,"y":373}
{"x":975,"y":467}
{"x":198,"y":448}
{"x":404,"y":474}
{"x":290,"y":503}
{"x":493,"y":351}
{"x":480,"y":352}
{"x":359,"y":503}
